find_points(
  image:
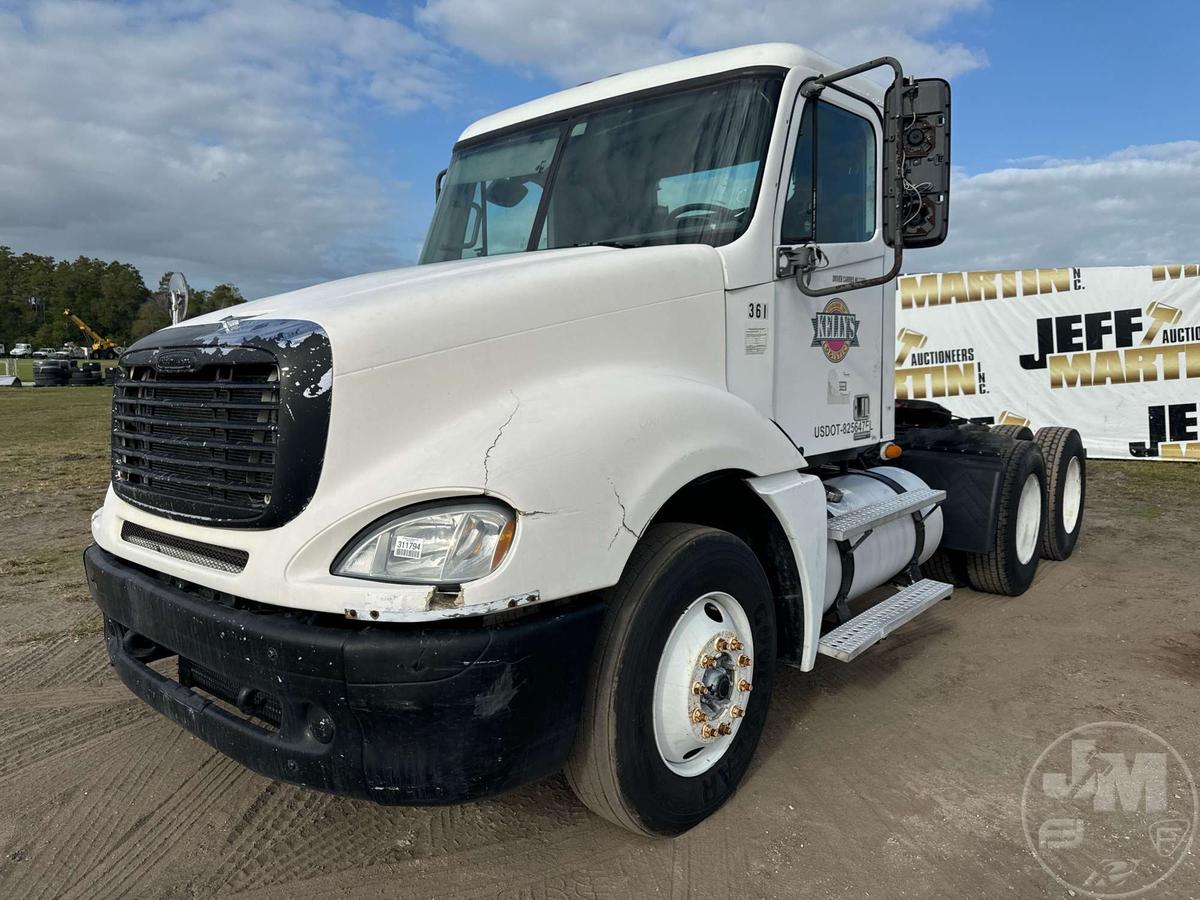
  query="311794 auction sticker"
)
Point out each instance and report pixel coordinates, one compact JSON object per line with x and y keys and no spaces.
{"x":1110,"y":810}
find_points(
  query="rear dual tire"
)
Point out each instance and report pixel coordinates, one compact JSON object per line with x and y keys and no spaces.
{"x":635,"y":762}
{"x":1009,"y":567}
{"x":1049,"y":466}
{"x":1066,"y":489}
{"x":1016,"y":432}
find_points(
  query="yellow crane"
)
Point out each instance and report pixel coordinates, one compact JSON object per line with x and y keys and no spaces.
{"x":102,"y":347}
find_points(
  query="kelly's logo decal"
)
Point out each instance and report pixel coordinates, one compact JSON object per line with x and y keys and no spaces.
{"x":922,"y":373}
{"x":835,"y":330}
{"x":1173,"y":431}
{"x":1119,"y":346}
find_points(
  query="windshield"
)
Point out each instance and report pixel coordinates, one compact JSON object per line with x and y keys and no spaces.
{"x":680,"y":168}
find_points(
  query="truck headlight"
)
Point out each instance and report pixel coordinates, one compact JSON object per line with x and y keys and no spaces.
{"x":440,"y":545}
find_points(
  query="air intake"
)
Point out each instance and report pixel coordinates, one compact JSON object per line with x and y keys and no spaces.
{"x":224,"y":559}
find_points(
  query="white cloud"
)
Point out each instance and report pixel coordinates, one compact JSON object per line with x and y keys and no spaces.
{"x":1133,"y":207}
{"x":209,"y":137}
{"x":220,"y":137}
{"x":579,"y":41}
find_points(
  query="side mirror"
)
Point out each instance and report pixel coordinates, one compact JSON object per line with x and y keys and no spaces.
{"x":917,"y":162}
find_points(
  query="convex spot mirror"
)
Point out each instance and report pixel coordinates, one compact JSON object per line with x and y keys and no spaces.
{"x":507,"y":192}
{"x":916,"y":162}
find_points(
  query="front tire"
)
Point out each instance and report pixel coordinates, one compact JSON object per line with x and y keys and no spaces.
{"x":642,"y":760}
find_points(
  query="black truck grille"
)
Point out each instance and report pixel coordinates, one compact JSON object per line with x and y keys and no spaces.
{"x":207,"y":439}
{"x":223,"y":423}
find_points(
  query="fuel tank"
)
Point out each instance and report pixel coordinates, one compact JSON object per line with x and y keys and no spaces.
{"x":887,"y":550}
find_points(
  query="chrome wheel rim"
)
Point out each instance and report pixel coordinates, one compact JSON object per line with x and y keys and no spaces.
{"x":703,"y":684}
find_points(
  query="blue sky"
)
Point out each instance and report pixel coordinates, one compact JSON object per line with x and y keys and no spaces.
{"x":1074,"y":79}
{"x":277,"y":144}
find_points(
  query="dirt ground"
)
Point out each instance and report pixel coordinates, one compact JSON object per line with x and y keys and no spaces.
{"x":899,"y":775}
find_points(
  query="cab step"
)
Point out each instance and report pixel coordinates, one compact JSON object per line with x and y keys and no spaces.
{"x":851,"y":638}
{"x":850,"y":525}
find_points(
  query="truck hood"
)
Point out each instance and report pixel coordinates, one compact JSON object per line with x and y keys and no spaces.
{"x":388,"y":317}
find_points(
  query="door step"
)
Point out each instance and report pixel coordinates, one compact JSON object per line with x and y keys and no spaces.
{"x":852,"y":524}
{"x":851,"y":638}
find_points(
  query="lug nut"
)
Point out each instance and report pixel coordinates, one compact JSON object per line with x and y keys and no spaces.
{"x":735,"y":644}
{"x":736,"y":711}
{"x":699,"y":689}
{"x":744,"y":685}
{"x":698,"y":715}
{"x":724,"y":728}
{"x":708,"y":661}
{"x":722,"y":644}
{"x":744,"y":660}
{"x":708,"y":731}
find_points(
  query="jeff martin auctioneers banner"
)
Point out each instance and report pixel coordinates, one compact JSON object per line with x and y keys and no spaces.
{"x":1114,"y":352}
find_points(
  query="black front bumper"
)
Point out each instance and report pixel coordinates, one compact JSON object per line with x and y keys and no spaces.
{"x":419,"y":714}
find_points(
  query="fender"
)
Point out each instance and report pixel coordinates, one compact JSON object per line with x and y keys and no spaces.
{"x":586,"y":461}
{"x":798,"y":502}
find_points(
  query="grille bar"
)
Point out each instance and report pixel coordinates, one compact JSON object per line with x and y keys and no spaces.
{"x":183,"y":403}
{"x":226,"y":385}
{"x":225,"y":559}
{"x":168,"y":478}
{"x":222,"y":424}
{"x":204,"y":463}
{"x":198,"y":443}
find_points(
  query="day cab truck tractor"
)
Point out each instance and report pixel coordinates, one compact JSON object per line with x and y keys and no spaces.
{"x":564,"y":495}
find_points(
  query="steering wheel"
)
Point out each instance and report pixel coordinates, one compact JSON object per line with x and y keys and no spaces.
{"x":711,"y":209}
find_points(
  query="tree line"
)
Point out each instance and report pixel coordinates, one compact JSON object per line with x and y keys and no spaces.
{"x":109,"y":295}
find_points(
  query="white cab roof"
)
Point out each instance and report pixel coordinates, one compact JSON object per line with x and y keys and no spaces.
{"x":787,"y":56}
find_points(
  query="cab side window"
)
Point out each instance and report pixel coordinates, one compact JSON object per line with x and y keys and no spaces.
{"x":831,"y":192}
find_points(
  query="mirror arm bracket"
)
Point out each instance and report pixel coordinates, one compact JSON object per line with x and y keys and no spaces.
{"x":806,"y":259}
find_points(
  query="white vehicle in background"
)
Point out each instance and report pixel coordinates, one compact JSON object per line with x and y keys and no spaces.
{"x":22,"y":350}
{"x":565,"y":494}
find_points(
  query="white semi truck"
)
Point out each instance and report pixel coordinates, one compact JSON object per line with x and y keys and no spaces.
{"x":564,"y":495}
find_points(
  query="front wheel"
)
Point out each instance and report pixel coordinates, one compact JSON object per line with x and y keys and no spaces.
{"x":680,"y":682}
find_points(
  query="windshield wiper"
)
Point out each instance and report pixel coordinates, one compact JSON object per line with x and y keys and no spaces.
{"x":620,"y":245}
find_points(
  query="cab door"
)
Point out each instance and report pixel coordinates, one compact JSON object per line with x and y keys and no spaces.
{"x":829,"y":391}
